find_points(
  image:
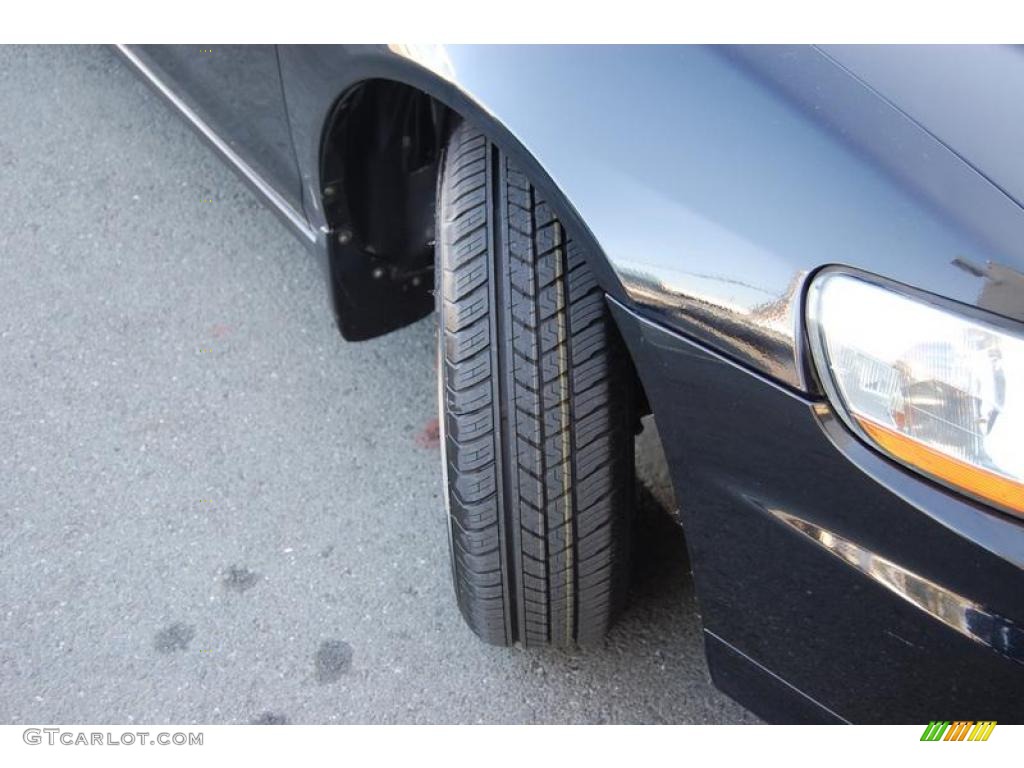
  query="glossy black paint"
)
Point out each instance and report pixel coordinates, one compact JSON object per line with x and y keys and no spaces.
{"x":237,"y":90}
{"x":758,"y":468}
{"x":717,"y":180}
{"x":708,"y":187}
{"x":712,"y":182}
{"x":763,"y":692}
{"x":968,"y":97}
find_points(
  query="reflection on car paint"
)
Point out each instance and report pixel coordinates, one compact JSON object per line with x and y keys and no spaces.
{"x":962,"y":614}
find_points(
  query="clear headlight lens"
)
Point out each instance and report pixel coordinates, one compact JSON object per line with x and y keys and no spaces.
{"x":940,"y":392}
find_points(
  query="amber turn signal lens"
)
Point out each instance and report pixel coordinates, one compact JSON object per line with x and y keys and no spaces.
{"x":975,"y":481}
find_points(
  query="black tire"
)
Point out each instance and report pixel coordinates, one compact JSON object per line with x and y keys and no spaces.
{"x":536,"y":411}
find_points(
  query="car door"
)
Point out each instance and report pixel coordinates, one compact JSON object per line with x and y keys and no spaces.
{"x":236,"y":90}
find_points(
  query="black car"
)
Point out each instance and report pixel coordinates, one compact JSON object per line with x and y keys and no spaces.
{"x":807,"y":263}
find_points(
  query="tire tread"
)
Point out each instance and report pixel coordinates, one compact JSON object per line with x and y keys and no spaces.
{"x":538,"y":427}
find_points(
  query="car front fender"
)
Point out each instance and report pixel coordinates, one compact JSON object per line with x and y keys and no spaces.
{"x":708,"y":183}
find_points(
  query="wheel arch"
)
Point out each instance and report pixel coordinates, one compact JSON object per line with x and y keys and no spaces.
{"x":378,"y":288}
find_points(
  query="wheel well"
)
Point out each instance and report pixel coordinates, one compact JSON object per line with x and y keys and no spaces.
{"x":379,"y":164}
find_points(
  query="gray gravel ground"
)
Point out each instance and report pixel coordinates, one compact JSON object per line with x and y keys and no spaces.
{"x":212,"y":508}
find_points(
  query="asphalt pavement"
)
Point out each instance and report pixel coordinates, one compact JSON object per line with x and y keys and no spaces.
{"x":212,"y":508}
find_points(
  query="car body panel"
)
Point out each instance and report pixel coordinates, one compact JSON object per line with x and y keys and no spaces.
{"x":238,"y":156}
{"x":968,"y":97}
{"x":236,"y":89}
{"x":713,"y":181}
{"x":874,"y":595}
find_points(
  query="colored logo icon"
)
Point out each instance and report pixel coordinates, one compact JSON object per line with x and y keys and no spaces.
{"x":959,"y":730}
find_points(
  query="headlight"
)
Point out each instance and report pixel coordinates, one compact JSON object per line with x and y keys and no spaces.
{"x":939,"y":391}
